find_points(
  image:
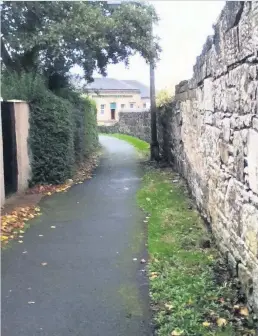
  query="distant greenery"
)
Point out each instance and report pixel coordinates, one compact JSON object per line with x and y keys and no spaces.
{"x":137,"y":143}
{"x":163,"y":97}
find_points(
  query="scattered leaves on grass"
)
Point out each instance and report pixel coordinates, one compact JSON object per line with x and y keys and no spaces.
{"x":195,"y":279}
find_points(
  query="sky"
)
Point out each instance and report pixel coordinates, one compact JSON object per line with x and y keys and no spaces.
{"x":183,"y":29}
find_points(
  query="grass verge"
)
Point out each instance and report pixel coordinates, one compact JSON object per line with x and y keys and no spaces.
{"x":142,"y":146}
{"x":190,"y":288}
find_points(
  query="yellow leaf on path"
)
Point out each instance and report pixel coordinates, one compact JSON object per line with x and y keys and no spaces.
{"x":206,"y":324}
{"x":177,"y":332}
{"x":49,"y":193}
{"x":221,"y":322}
{"x":244,"y":311}
{"x":4,"y":237}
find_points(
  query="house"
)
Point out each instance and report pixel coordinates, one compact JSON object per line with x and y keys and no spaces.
{"x":113,"y":96}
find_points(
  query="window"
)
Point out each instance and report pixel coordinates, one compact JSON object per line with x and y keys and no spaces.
{"x":102,"y":108}
{"x":132,"y":105}
{"x":122,"y":106}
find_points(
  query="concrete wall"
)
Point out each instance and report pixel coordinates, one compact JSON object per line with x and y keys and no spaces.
{"x":120,"y":98}
{"x":210,"y":135}
{"x":2,"y":193}
{"x":135,"y":124}
{"x":21,"y":115}
{"x":21,"y":111}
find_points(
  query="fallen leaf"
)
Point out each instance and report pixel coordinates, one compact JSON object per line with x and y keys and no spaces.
{"x":49,"y":193}
{"x":206,"y":324}
{"x":20,"y":241}
{"x":143,"y":261}
{"x":25,"y":252}
{"x":221,"y":322}
{"x":44,"y":264}
{"x":154,"y":276}
{"x":31,"y":302}
{"x":177,"y":332}
{"x":169,"y":306}
{"x":244,"y":311}
{"x":53,"y":227}
{"x":41,"y":235}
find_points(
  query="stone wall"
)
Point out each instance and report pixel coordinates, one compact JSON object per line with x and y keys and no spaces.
{"x":209,"y":133}
{"x":131,"y":123}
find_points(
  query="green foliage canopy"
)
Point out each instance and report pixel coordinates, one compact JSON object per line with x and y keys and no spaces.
{"x":50,"y":37}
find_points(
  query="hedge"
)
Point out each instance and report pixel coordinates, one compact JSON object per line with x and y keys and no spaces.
{"x":63,"y":127}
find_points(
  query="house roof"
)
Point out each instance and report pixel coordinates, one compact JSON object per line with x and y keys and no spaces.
{"x":106,"y":83}
{"x":109,"y":84}
{"x":144,"y":89}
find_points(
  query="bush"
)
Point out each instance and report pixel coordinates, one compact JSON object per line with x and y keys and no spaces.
{"x":91,"y":127}
{"x":51,"y":139}
{"x":63,"y":126}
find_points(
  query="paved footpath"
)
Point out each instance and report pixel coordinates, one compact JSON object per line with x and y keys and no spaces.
{"x":90,"y":286}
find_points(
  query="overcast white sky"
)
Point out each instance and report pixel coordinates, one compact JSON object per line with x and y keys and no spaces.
{"x":183,"y":29}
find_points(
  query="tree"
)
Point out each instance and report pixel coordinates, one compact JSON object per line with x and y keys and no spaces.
{"x":163,"y":97}
{"x":51,"y":37}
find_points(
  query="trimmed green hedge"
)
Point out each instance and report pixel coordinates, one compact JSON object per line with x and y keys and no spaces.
{"x":63,"y":127}
{"x":51,"y":139}
{"x":90,"y":127}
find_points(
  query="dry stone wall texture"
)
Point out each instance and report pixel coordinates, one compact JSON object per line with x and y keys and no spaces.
{"x":210,"y":135}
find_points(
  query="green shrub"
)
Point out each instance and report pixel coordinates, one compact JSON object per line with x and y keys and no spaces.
{"x":63,"y":126}
{"x":51,"y":127}
{"x":91,"y":127}
{"x":51,"y":139}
